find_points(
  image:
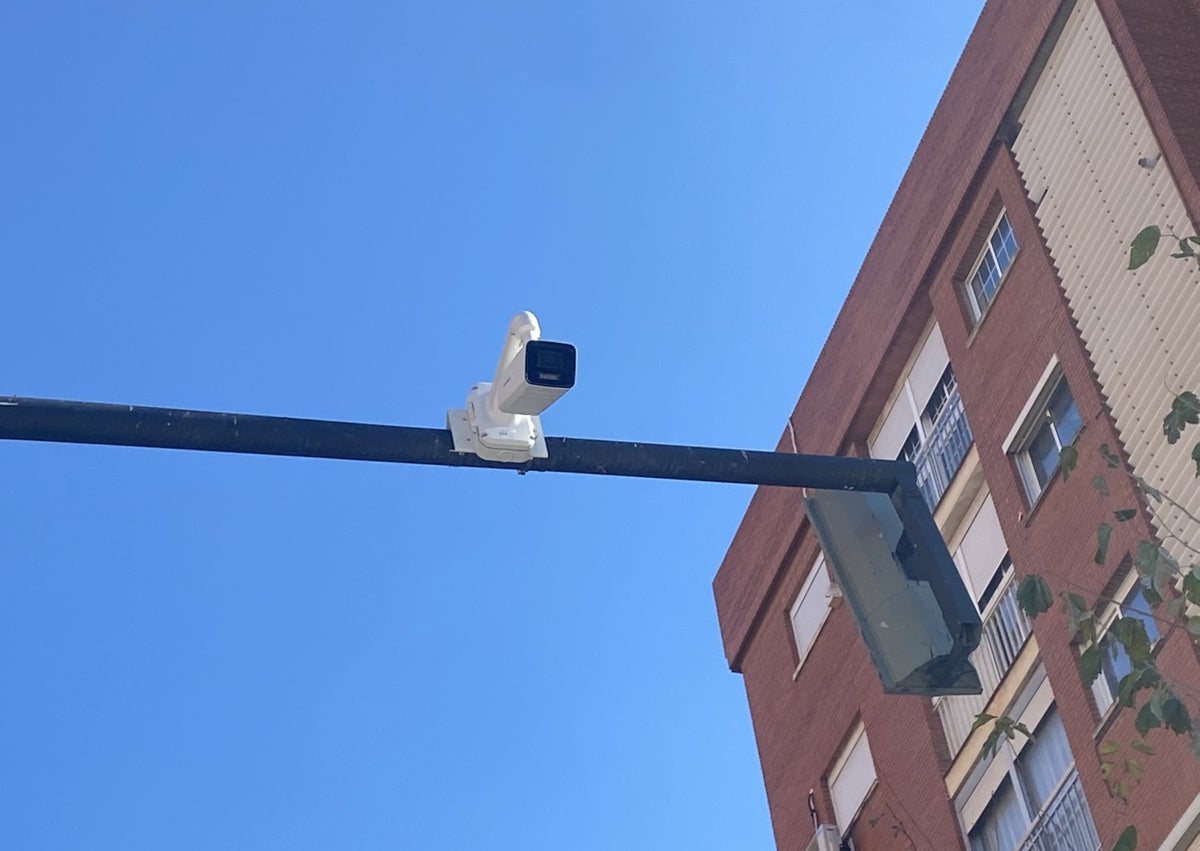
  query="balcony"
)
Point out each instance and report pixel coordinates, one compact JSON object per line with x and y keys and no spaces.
{"x":944,"y":447}
{"x":1065,"y":823}
{"x":1004,"y":632}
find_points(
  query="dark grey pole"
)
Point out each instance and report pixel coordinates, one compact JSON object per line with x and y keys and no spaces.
{"x":919,"y":554}
{"x":126,"y":425}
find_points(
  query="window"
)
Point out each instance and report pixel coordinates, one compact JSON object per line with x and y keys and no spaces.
{"x":924,"y":421}
{"x":1002,"y":824}
{"x":993,"y":262}
{"x":939,"y":439}
{"x":1054,"y":424}
{"x":852,"y":778}
{"x":1114,"y":663}
{"x":930,"y":417}
{"x":982,"y":554}
{"x":1038,"y":800}
{"x":811,"y":608}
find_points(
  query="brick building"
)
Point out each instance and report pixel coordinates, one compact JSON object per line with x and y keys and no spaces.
{"x":992,"y":322}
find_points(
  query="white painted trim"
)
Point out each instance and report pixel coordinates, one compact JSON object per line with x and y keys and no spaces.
{"x":1041,"y":392}
{"x":977,"y":312}
{"x":1185,"y":830}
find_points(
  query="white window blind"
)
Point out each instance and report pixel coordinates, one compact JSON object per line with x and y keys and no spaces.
{"x":922,"y":378}
{"x":982,"y":548}
{"x":852,"y":777}
{"x":811,"y":608}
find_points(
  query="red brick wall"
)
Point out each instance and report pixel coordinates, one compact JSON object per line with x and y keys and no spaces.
{"x":998,"y":368}
{"x":868,"y":343}
{"x":909,"y":272}
{"x":800,"y":725}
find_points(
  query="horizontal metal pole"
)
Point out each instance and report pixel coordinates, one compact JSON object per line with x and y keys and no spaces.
{"x":127,"y":425}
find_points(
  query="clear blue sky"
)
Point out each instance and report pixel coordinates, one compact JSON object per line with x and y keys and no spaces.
{"x":331,"y":210}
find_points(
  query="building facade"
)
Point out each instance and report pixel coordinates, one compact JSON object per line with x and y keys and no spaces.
{"x":992,"y":323}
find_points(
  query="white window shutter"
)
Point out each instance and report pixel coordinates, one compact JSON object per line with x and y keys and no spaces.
{"x":811,"y":608}
{"x":852,"y":778}
{"x":982,"y":548}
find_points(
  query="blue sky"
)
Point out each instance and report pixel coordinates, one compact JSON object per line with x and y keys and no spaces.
{"x":332,"y":211}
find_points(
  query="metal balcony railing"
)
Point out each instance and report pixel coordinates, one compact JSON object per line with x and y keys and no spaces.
{"x":1005,"y":630}
{"x":1065,"y":823}
{"x":944,"y":448}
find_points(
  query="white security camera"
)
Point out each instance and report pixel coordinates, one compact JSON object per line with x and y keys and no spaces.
{"x":537,"y":377}
{"x":500,"y":422}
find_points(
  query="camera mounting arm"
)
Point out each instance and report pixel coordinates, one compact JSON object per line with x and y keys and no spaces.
{"x":521,"y":329}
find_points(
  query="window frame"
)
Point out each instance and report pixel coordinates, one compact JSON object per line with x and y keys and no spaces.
{"x":1032,"y":706}
{"x":1034,"y":417}
{"x":976,"y":310}
{"x":1018,"y":780}
{"x":1104,"y":693}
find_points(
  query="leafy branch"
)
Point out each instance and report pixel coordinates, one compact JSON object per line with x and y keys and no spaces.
{"x":1146,"y":243}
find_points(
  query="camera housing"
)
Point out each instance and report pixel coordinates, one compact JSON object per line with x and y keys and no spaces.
{"x":500,"y":421}
{"x":536,"y":378}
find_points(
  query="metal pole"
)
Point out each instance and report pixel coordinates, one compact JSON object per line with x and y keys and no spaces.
{"x":127,"y":425}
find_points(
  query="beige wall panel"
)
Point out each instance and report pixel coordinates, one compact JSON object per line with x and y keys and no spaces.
{"x":1082,"y":134}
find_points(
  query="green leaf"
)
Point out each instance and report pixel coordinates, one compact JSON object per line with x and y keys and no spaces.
{"x":1146,"y":558}
{"x":1185,"y":411}
{"x":1068,"y":458}
{"x":1100,"y":484}
{"x":981,"y":719}
{"x":1195,"y":239}
{"x":1191,"y":586}
{"x":1140,"y":746}
{"x":1156,"y":701}
{"x":1089,"y":667}
{"x":1157,"y":570}
{"x":1176,"y":716}
{"x":1131,"y":633}
{"x":1103,"y":531}
{"x":1033,"y":596}
{"x":1080,"y":618}
{"x":1127,"y":841}
{"x":991,"y":745}
{"x":1143,"y":246}
{"x":1193,"y":627}
{"x":1125,"y":514}
{"x":1196,"y":458}
{"x":1146,"y":720}
{"x":1133,"y":768}
{"x":1142,"y":676}
{"x":1109,"y":458}
{"x":1108,"y":747}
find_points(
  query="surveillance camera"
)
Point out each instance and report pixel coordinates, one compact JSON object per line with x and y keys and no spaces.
{"x":537,"y":377}
{"x":500,"y":421}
